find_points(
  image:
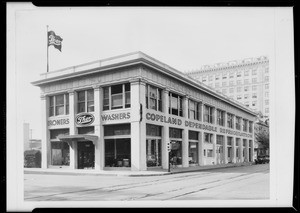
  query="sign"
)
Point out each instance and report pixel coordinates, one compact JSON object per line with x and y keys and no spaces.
{"x":58,"y":122}
{"x":116,"y":116}
{"x":84,"y":119}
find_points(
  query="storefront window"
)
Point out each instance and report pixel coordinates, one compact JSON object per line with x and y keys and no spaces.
{"x":153,"y":147}
{"x":176,"y":146}
{"x":193,"y":152}
{"x":60,"y":154}
{"x":116,"y":97}
{"x":117,"y":150}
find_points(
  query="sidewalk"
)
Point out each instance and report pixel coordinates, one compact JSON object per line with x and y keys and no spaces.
{"x":150,"y":172}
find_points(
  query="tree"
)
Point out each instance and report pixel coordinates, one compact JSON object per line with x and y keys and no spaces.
{"x":262,"y":136}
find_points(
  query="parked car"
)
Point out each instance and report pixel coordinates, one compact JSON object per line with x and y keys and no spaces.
{"x":262,"y":159}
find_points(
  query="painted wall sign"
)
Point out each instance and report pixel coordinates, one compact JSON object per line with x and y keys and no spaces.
{"x":84,"y":119}
{"x":116,"y":116}
{"x":58,"y":122}
{"x":196,"y":125}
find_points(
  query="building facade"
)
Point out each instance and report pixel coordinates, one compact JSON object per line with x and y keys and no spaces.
{"x":246,"y":81}
{"x":129,"y":111}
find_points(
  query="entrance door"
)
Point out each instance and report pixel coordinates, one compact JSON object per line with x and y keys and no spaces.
{"x":86,"y":155}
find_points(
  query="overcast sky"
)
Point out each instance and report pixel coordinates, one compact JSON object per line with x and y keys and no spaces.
{"x":184,"y":38}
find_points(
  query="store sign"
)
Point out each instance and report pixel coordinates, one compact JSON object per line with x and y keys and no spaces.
{"x":84,"y":119}
{"x":58,"y":122}
{"x":192,"y":124}
{"x":116,"y":116}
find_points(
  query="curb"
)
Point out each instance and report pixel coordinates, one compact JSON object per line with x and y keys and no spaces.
{"x":132,"y":175}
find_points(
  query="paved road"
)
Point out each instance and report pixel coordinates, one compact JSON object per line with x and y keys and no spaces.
{"x":246,"y":182}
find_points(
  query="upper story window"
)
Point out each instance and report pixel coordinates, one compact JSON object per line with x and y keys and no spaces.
{"x":210,"y":78}
{"x":239,"y":82}
{"x":246,"y":73}
{"x":59,"y":105}
{"x":267,"y":102}
{"x":208,"y":114}
{"x":246,"y":81}
{"x":231,"y":74}
{"x":224,"y":83}
{"x":238,"y":123}
{"x":208,"y":138}
{"x":245,"y":127}
{"x":267,"y":70}
{"x":238,"y":74}
{"x":267,"y":86}
{"x":204,"y":79}
{"x":250,"y":126}
{"x":224,"y":91}
{"x":266,"y":78}
{"x":254,"y":72}
{"x":254,"y":80}
{"x":217,"y":84}
{"x":220,"y":117}
{"x":246,"y":88}
{"x":239,"y":89}
{"x":175,"y":104}
{"x":194,"y":110}
{"x":238,"y":97}
{"x":254,"y":87}
{"x":116,"y":96}
{"x":231,"y":90}
{"x":254,"y":95}
{"x":224,"y":75}
{"x":153,"y":98}
{"x":230,"y":120}
{"x":85,"y":101}
{"x":217,"y":77}
{"x":231,"y":83}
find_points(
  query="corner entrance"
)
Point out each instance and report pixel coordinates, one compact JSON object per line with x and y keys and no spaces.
{"x":86,"y":155}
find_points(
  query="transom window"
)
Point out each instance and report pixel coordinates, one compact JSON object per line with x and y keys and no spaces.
{"x":59,"y":105}
{"x":153,"y":98}
{"x":116,"y":97}
{"x":85,"y":101}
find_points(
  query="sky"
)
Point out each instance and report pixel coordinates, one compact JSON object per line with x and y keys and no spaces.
{"x":184,"y":38}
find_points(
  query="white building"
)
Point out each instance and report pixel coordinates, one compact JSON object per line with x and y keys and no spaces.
{"x":123,"y":112}
{"x":246,"y":81}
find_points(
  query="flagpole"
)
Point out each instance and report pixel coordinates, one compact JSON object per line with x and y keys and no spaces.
{"x":47,"y":51}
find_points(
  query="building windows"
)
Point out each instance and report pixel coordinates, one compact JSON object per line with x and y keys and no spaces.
{"x":194,"y":110}
{"x":239,"y":82}
{"x":246,"y":96}
{"x":238,"y":123}
{"x":246,"y":81}
{"x":245,"y":125}
{"x":210,"y":85}
{"x":59,"y":105}
{"x":250,"y":126}
{"x":220,"y":139}
{"x":209,"y":153}
{"x":266,"y":94}
{"x":239,"y":89}
{"x":208,"y":138}
{"x":231,"y":74}
{"x":254,"y":95}
{"x":247,"y":104}
{"x":204,"y":79}
{"x":254,"y":87}
{"x":217,"y":76}
{"x":224,"y":91}
{"x":266,"y":78}
{"x":238,"y":97}
{"x":266,"y":86}
{"x":254,"y":72}
{"x":254,"y":80}
{"x":246,"y":89}
{"x":230,"y":120}
{"x":267,"y":70}
{"x":60,"y":151}
{"x":116,"y":97}
{"x":246,"y":72}
{"x":217,"y":84}
{"x":210,"y":78}
{"x":231,"y":90}
{"x":267,"y":110}
{"x":224,"y":76}
{"x":153,"y":145}
{"x":208,"y":114}
{"x":267,"y":102}
{"x":239,"y":74}
{"x":153,"y":98}
{"x":220,"y":117}
{"x":193,"y":147}
{"x":224,"y":84}
{"x":231,"y":83}
{"x":254,"y":103}
{"x":175,"y":104}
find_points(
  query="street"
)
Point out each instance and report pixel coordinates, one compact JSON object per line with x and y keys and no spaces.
{"x":245,"y":182}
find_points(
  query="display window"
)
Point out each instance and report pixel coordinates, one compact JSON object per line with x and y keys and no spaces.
{"x":153,"y":145}
{"x":60,"y":154}
{"x":176,"y":146}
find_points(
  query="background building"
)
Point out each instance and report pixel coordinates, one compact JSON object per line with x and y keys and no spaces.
{"x":26,"y":137}
{"x":246,"y":81}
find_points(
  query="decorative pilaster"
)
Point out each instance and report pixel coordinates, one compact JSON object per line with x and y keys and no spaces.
{"x":165,"y":130}
{"x":72,"y":129}
{"x":97,"y":113}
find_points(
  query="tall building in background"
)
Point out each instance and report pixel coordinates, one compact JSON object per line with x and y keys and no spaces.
{"x":26,"y":137}
{"x":246,"y":81}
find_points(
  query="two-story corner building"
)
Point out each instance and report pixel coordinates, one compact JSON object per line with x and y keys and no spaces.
{"x":122,"y":112}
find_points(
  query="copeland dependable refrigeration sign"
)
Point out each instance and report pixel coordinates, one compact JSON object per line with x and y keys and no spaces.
{"x":84,"y":119}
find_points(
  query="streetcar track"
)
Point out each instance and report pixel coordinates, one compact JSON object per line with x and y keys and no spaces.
{"x":146,"y":183}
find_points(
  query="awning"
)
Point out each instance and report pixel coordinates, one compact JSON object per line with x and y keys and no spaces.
{"x":70,"y":138}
